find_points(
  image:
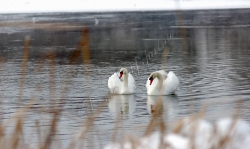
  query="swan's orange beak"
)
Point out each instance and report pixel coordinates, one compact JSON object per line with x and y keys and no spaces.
{"x":121,"y":73}
{"x":151,"y":80}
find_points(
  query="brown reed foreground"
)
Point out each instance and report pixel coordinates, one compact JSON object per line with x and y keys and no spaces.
{"x":191,"y":127}
{"x":191,"y":132}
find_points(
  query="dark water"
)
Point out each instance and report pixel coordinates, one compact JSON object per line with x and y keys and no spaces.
{"x":212,"y":61}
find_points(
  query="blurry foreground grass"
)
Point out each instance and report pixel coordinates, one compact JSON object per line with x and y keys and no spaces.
{"x":192,"y":132}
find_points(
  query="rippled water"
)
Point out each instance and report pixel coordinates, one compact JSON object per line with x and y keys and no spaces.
{"x":212,"y":64}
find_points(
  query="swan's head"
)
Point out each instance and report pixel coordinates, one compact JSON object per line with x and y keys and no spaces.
{"x":123,"y":71}
{"x":152,"y":76}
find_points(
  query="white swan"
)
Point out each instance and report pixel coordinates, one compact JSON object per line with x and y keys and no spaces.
{"x":124,"y":86}
{"x":161,"y":83}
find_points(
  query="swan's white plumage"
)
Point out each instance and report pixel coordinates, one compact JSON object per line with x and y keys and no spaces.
{"x":117,"y":86}
{"x":164,"y":74}
{"x":169,"y":86}
{"x":114,"y":83}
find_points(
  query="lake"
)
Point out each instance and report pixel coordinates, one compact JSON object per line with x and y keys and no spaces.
{"x":70,"y":56}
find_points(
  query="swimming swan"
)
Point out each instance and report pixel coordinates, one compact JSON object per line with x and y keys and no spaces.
{"x":124,"y":84}
{"x":161,"y":83}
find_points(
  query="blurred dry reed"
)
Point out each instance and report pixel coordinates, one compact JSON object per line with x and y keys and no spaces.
{"x":24,"y":66}
{"x":16,"y":140}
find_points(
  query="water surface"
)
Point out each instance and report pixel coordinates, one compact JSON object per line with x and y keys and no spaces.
{"x":211,"y":62}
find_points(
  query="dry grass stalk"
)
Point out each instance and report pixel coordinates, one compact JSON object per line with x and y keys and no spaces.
{"x":39,"y":137}
{"x":182,"y":31}
{"x":134,"y":141}
{"x":16,"y":134}
{"x":85,"y":50}
{"x":153,"y":122}
{"x":18,"y":114}
{"x":82,"y":50}
{"x":72,"y":60}
{"x":87,"y":124}
{"x":24,"y":66}
{"x":52,"y":131}
{"x":164,"y":59}
{"x":52,"y":75}
{"x":74,"y":56}
{"x":116,"y":126}
{"x":99,"y":138}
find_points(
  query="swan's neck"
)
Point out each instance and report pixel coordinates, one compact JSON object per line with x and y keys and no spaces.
{"x":160,"y":82}
{"x":125,"y":80}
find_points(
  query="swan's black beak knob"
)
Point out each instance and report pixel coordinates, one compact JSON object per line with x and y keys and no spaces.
{"x":151,"y":80}
{"x":121,"y":73}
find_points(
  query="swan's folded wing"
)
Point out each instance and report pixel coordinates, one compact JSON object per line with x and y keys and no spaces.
{"x":171,"y":84}
{"x":163,"y":73}
{"x":114,"y":83}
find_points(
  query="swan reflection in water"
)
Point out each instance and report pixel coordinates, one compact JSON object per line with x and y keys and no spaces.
{"x":122,"y":106}
{"x":167,"y":105}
